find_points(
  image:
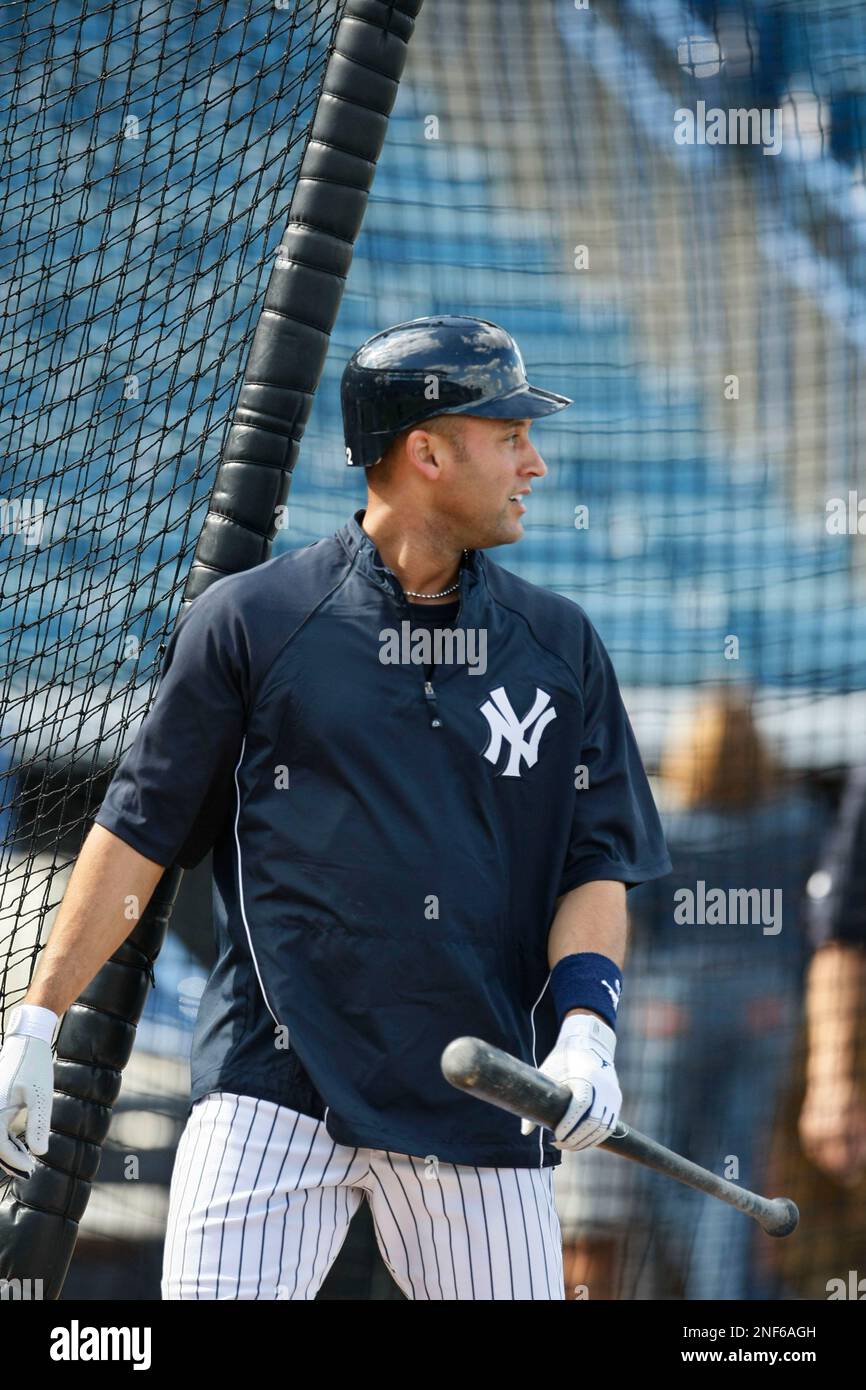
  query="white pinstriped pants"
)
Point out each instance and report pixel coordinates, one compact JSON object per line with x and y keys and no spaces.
{"x":261,"y":1199}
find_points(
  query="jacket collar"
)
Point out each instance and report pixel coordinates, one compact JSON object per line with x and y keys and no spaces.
{"x":363,"y":552}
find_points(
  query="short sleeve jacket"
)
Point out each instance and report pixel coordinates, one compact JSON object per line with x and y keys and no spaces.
{"x":388,"y":848}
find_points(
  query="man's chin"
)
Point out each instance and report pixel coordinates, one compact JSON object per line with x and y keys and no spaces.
{"x":512,"y":531}
{"x":507,"y":533}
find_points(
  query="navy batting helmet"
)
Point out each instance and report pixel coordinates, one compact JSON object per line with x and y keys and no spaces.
{"x":447,"y":364}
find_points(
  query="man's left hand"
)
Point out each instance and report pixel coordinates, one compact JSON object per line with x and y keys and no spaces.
{"x":583,"y":1060}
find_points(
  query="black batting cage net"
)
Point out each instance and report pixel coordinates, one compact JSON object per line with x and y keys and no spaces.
{"x":664,"y":203}
{"x":149,"y":153}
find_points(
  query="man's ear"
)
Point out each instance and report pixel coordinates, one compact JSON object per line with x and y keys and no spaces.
{"x":420,"y":446}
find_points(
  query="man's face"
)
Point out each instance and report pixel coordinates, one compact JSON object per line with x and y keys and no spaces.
{"x":483,"y":489}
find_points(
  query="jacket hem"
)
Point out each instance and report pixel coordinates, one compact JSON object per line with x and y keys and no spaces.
{"x":256,"y":1090}
{"x":358,"y":1137}
{"x":482,"y":1156}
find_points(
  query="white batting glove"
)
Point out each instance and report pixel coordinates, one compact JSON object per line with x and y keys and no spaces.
{"x":583,"y":1060}
{"x":26,"y":1083}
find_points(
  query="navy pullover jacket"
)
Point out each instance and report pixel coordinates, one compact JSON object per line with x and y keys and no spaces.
{"x":388,"y":849}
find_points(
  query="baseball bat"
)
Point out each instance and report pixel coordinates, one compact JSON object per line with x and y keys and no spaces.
{"x":494,"y":1076}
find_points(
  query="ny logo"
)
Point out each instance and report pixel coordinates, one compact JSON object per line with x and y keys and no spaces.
{"x":504,"y":723}
{"x":614,"y":990}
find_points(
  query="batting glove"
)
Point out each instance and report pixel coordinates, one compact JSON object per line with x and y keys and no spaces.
{"x":26,"y":1083}
{"x":583,"y":1060}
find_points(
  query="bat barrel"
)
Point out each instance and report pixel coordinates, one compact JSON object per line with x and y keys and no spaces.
{"x":490,"y":1074}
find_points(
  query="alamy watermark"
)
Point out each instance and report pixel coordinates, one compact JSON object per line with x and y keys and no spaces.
{"x":720,"y":907}
{"x":854,"y":1287}
{"x":21,"y":1290}
{"x":738,"y":126}
{"x":25,"y":518}
{"x":79,"y":1342}
{"x":437,"y":646}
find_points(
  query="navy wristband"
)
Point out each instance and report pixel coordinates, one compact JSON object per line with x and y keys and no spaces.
{"x":586,"y":980}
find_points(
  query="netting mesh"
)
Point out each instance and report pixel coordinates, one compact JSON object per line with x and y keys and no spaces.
{"x":148,"y":158}
{"x":694,"y":281}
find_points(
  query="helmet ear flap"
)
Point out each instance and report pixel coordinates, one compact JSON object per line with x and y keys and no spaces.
{"x":383,"y":443}
{"x":368,"y":450}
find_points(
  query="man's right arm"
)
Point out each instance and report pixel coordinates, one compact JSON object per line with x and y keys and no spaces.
{"x":165,"y":804}
{"x":165,"y":801}
{"x":107,"y":893}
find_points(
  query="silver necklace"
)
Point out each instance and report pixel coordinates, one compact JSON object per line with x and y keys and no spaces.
{"x":412,"y":593}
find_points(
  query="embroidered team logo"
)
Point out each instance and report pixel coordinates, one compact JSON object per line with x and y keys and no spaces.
{"x":614,"y":991}
{"x":522,"y":735}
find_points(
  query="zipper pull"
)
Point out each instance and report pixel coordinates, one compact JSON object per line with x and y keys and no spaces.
{"x":430,"y":697}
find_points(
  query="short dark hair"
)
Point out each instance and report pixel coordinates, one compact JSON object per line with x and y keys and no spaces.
{"x":451,"y":426}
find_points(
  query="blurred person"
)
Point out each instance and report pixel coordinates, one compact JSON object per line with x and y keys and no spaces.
{"x":706,"y":1031}
{"x":832,"y":1120}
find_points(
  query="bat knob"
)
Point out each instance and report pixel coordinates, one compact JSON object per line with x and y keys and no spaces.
{"x":782,"y":1218}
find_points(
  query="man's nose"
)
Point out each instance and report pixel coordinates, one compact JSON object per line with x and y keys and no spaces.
{"x":537,"y":467}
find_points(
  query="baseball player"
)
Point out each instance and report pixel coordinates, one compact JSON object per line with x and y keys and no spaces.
{"x":426,"y":805}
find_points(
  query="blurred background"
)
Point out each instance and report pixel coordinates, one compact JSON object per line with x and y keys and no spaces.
{"x":666,"y":204}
